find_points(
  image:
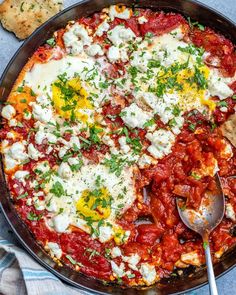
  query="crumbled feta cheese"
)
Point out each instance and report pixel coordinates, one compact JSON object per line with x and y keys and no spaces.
{"x":118,"y":270}
{"x":191,"y":258}
{"x":74,"y":142}
{"x":94,"y":49}
{"x":10,"y":135}
{"x":33,"y":152}
{"x":52,"y":205}
{"x":51,"y":138}
{"x":39,"y":204}
{"x":162,"y":107}
{"x":161,"y":143}
{"x":132,"y":260}
{"x":103,"y":27}
{"x":55,"y":249}
{"x":108,"y":141}
{"x":123,"y":145}
{"x":133,"y":116}
{"x":105,"y":233}
{"x":115,"y":252}
{"x":148,"y":273}
{"x":17,"y":151}
{"x":42,"y":167}
{"x":229,"y":212}
{"x":145,"y":161}
{"x":20,"y":175}
{"x":12,"y":122}
{"x":61,"y":222}
{"x":140,"y":59}
{"x":179,"y":122}
{"x":8,"y":112}
{"x":121,"y":12}
{"x":218,"y":87}
{"x":43,"y":114}
{"x":119,"y":35}
{"x":29,"y":202}
{"x":75,"y":38}
{"x":142,"y":20}
{"x":63,"y":150}
{"x":113,"y":54}
{"x":64,"y":171}
{"x":40,"y":136}
{"x":73,"y":161}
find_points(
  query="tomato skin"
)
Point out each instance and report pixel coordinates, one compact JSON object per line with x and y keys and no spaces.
{"x":161,"y":173}
{"x":148,"y":233}
{"x":219,"y":47}
{"x":160,"y":23}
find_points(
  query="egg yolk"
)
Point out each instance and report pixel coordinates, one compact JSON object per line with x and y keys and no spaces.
{"x":95,"y":204}
{"x":71,"y":100}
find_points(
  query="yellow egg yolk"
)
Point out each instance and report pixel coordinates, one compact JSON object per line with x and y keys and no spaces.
{"x":70,"y":99}
{"x":95,"y":204}
{"x":190,"y":84}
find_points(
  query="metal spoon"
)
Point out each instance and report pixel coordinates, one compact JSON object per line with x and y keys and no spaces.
{"x":204,"y":220}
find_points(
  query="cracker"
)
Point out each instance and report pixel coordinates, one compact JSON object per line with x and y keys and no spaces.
{"x":229,"y":129}
{"x":24,"y":16}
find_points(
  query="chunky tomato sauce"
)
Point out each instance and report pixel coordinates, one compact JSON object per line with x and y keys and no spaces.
{"x":157,"y":234}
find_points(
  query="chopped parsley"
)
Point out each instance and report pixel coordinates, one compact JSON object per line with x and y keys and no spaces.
{"x":116,"y":164}
{"x":51,"y":42}
{"x":33,"y":217}
{"x":195,"y":24}
{"x":22,"y":196}
{"x":57,"y":189}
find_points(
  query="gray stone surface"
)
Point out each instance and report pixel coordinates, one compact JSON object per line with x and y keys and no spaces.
{"x":8,"y":46}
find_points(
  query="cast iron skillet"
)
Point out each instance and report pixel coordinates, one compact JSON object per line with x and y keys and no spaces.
{"x":196,"y":11}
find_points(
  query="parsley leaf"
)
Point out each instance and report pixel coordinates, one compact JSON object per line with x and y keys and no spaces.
{"x":57,"y":189}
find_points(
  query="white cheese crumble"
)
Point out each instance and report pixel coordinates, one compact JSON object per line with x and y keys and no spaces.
{"x":64,"y":171}
{"x":161,"y":143}
{"x":191,"y":258}
{"x":118,"y":270}
{"x":113,"y":54}
{"x":123,"y":145}
{"x":105,"y":233}
{"x":75,"y":38}
{"x":133,"y":116}
{"x":120,"y":35}
{"x":229,"y":212}
{"x":61,"y":222}
{"x":43,"y":114}
{"x":17,"y":151}
{"x":217,"y":87}
{"x":142,"y":20}
{"x":54,"y":249}
{"x":21,"y":175}
{"x":33,"y":152}
{"x":8,"y":112}
{"x":94,"y":49}
{"x":145,"y":161}
{"x":116,"y":252}
{"x":148,"y":273}
{"x":119,"y":12}
{"x":103,"y":27}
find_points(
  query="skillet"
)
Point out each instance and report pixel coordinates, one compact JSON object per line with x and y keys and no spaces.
{"x":197,"y":12}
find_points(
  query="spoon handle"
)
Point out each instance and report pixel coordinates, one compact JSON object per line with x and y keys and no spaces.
{"x":210,"y":270}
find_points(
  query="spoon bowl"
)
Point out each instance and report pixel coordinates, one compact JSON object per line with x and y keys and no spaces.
{"x":210,"y":212}
{"x":204,"y":220}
